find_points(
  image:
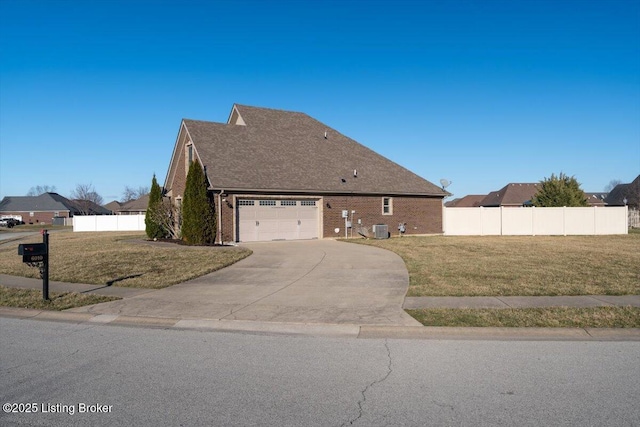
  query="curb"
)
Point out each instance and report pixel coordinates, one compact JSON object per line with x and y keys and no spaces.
{"x":333,"y":330}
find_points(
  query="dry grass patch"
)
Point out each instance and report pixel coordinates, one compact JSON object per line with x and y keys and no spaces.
{"x":515,"y":265}
{"x":122,"y":258}
{"x":556,"y":317}
{"x":31,"y":298}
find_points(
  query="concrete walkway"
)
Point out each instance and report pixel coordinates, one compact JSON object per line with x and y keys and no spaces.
{"x":27,"y":283}
{"x":409,"y":302}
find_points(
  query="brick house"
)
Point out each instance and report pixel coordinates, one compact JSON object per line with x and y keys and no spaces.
{"x":280,"y":175}
{"x":44,"y":208}
{"x":132,"y":207}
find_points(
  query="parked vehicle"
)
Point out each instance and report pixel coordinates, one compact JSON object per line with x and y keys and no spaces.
{"x":9,"y":222}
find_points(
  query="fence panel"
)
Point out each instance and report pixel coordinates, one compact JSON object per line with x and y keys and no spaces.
{"x":517,"y":222}
{"x":108,"y":223}
{"x":579,"y":221}
{"x":611,"y":221}
{"x":535,"y":221}
{"x":548,"y":221}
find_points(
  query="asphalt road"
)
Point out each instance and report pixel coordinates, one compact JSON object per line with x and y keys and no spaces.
{"x":16,"y":235}
{"x":154,"y":377}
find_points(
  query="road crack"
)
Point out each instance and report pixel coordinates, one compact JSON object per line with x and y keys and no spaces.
{"x":363,"y":400}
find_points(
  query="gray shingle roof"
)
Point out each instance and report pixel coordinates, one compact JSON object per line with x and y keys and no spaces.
{"x":287,"y":151}
{"x":49,"y":202}
{"x":137,"y":205}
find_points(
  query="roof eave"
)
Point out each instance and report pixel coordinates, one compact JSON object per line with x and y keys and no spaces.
{"x":322,"y":192}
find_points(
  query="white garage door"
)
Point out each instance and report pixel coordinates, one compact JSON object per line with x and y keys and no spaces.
{"x":264,"y":220}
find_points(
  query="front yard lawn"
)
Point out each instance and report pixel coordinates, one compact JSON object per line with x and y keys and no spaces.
{"x":122,"y":259}
{"x":520,"y":266}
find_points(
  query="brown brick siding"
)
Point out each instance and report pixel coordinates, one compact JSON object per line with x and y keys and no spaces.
{"x":227,"y":213}
{"x":180,"y":177}
{"x":421,"y":214}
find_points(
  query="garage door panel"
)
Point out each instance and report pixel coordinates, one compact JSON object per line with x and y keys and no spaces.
{"x":276,"y":220}
{"x":308,"y":213}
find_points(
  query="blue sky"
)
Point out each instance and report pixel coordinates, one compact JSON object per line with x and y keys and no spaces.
{"x":482,"y":93}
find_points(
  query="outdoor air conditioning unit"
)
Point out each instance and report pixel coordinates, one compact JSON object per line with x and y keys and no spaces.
{"x":381,"y":231}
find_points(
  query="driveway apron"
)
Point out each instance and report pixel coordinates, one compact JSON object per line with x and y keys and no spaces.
{"x":314,"y":281}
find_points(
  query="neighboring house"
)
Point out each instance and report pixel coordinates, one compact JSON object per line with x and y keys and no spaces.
{"x":625,"y":194}
{"x":280,"y":175}
{"x":132,"y":207}
{"x":596,"y":199}
{"x":470,"y":201}
{"x":113,"y":207}
{"x":44,"y":208}
{"x":511,"y":195}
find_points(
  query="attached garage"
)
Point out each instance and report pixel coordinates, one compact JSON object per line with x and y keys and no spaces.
{"x":267,"y":219}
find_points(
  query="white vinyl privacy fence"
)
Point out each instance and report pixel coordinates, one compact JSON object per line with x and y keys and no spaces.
{"x":108,"y":223}
{"x":531,"y":221}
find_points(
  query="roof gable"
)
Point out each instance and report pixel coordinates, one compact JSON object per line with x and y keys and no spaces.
{"x":273,"y":150}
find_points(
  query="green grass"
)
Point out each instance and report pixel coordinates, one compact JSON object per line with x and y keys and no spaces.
{"x":124,"y":259}
{"x":556,"y":317}
{"x":519,"y":266}
{"x":30,"y":298}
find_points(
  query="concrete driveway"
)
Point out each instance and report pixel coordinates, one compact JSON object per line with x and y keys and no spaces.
{"x":316,"y":281}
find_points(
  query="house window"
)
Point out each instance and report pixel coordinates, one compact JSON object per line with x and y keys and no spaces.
{"x":267,"y":202}
{"x":31,"y":214}
{"x":246,"y":203}
{"x":190,"y":153}
{"x":387,"y":206}
{"x":307,"y":203}
{"x":287,"y":203}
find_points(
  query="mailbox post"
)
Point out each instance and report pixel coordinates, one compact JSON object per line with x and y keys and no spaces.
{"x":37,"y":255}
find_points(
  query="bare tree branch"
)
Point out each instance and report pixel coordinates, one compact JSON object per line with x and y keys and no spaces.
{"x":86,"y":196}
{"x":41,"y":189}
{"x":131,"y":193}
{"x":612,"y":184}
{"x":168,"y":216}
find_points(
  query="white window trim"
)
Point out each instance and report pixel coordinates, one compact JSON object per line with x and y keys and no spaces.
{"x":390,"y":206}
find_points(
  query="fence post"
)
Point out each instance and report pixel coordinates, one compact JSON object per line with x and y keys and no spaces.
{"x":626,"y":219}
{"x":533,"y":221}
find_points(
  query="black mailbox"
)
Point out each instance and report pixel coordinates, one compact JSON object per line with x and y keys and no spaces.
{"x":32,"y":249}
{"x":32,"y":252}
{"x":37,"y":255}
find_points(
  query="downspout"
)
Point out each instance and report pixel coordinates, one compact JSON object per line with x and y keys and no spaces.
{"x":220,"y":215}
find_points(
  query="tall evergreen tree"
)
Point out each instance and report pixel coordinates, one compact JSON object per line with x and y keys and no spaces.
{"x":559,"y":191}
{"x":198,"y":210}
{"x":152,"y":227}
